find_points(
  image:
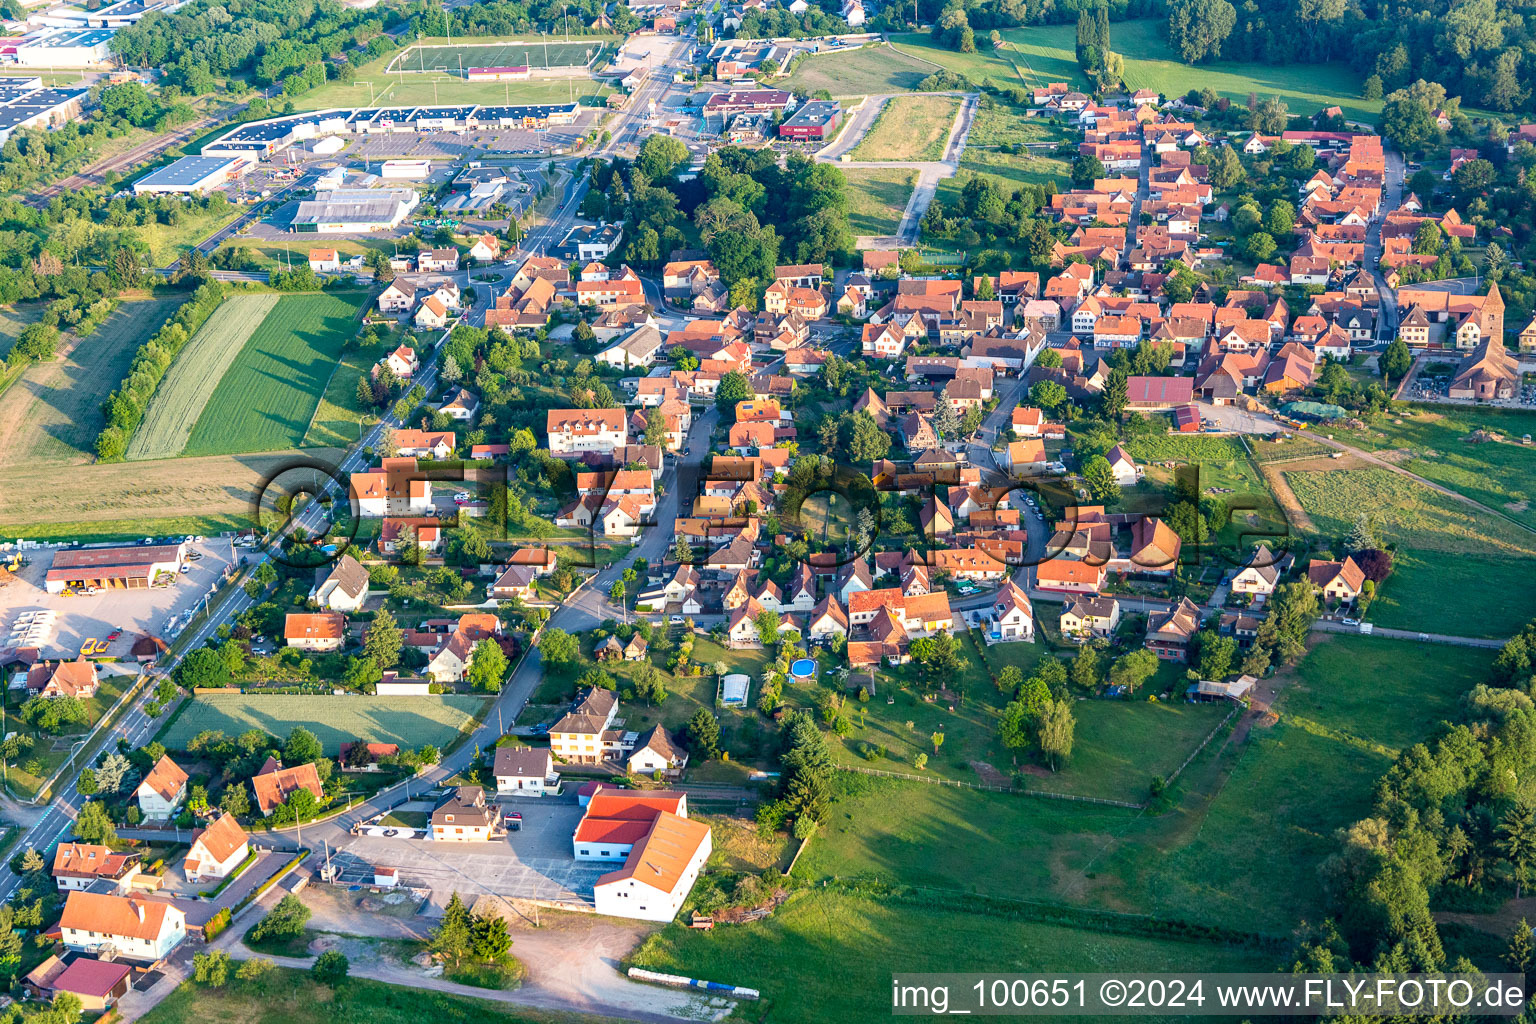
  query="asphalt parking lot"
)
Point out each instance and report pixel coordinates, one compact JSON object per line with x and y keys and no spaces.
{"x":135,"y":612}
{"x":534,"y":863}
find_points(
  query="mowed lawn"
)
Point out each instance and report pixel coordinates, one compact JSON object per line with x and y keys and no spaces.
{"x":339,"y":421}
{"x":408,"y":721}
{"x":1458,"y":570}
{"x":194,"y":376}
{"x":910,"y":128}
{"x":53,"y":412}
{"x":1248,"y":829}
{"x":830,"y":956}
{"x":877,"y":197}
{"x":268,"y":396}
{"x":870,"y":70}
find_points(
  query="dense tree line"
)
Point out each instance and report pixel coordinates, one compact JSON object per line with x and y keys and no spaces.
{"x":507,"y":18}
{"x":1478,"y":49}
{"x":778,"y":23}
{"x":270,"y":41}
{"x":740,"y":203}
{"x":1453,"y":815}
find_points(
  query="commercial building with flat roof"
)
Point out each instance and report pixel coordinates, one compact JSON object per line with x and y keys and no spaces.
{"x":816,"y":119}
{"x":26,"y":103}
{"x":68,"y":48}
{"x":353,"y":211}
{"x":278,"y":133}
{"x":193,"y":174}
{"x":132,"y":567}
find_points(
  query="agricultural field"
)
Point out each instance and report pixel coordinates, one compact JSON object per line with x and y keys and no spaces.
{"x":877,"y":198}
{"x":1265,"y":809}
{"x":268,"y":396}
{"x":1457,"y":570}
{"x":407,"y":721}
{"x":910,"y":128}
{"x":828,"y":955}
{"x":1041,"y":54}
{"x":1435,"y":443}
{"x":193,"y":377}
{"x":127,"y":500}
{"x":52,"y":414}
{"x":868,"y":71}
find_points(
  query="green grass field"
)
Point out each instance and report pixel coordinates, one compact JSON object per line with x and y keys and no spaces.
{"x":868,"y":71}
{"x":1458,"y":570}
{"x":909,"y":128}
{"x":1249,"y":826}
{"x":193,"y":377}
{"x":338,"y":421}
{"x":1501,"y":476}
{"x":530,"y":53}
{"x":379,"y":89}
{"x":877,"y":197}
{"x":12,"y":321}
{"x":408,"y":721}
{"x":828,"y":956}
{"x":288,"y":996}
{"x":268,"y":396}
{"x":58,"y":414}
{"x":1226,"y":472}
{"x":1037,"y":55}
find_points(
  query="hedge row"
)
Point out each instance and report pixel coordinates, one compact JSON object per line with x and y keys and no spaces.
{"x":125,"y":407}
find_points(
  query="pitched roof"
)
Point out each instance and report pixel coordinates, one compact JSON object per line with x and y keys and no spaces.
{"x":522,"y":762}
{"x":314,"y":626}
{"x":112,"y":915}
{"x":165,"y":779}
{"x":86,"y":859}
{"x":219,"y":840}
{"x":87,"y":976}
{"x":661,"y":856}
{"x":274,"y":784}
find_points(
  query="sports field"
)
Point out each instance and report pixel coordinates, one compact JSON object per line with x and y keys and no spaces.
{"x":201,"y":364}
{"x":529,"y":53}
{"x":267,"y":397}
{"x":407,"y":721}
{"x":52,"y":414}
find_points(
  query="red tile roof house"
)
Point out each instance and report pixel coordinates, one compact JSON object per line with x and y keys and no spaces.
{"x":98,"y":984}
{"x":63,"y":679}
{"x":1158,"y":392}
{"x":130,"y":928}
{"x":217,"y":850}
{"x":1336,"y":581}
{"x":80,"y":865}
{"x":274,"y":784}
{"x":162,"y":790}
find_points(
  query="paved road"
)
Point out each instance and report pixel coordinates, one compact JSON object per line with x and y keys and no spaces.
{"x":1391,"y":199}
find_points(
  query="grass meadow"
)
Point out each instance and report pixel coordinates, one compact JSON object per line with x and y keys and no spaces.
{"x":877,"y":198}
{"x":1433,"y":443}
{"x":338,"y":421}
{"x":52,"y":414}
{"x":268,"y":396}
{"x":1249,"y":822}
{"x":871,"y":70}
{"x":408,"y":721}
{"x":195,"y":375}
{"x":1445,"y":549}
{"x":910,"y":128}
{"x":828,"y":955}
{"x":1040,"y":54}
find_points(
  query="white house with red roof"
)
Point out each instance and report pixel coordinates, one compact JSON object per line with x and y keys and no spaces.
{"x":663,"y":851}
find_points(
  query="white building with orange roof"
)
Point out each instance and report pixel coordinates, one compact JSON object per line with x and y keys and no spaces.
{"x":663,"y":851}
{"x":162,"y":791}
{"x":217,"y":850}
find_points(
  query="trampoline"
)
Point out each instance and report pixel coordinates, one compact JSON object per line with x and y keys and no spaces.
{"x":804,"y":668}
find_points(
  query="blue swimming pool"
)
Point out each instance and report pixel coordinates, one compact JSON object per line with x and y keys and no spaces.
{"x":804,"y":668}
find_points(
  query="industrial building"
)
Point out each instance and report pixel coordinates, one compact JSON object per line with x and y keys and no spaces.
{"x":118,"y":568}
{"x":118,"y":15}
{"x":815,"y":120}
{"x":273,"y":135}
{"x":193,"y":174}
{"x":67,"y":48}
{"x":723,"y":106}
{"x":411,"y":169}
{"x":25,"y":103}
{"x":354,"y":211}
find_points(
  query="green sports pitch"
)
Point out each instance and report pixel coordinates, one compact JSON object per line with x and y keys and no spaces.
{"x":532,"y":54}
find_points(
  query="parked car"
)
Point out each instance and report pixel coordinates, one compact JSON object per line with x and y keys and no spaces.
{"x":676,"y":620}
